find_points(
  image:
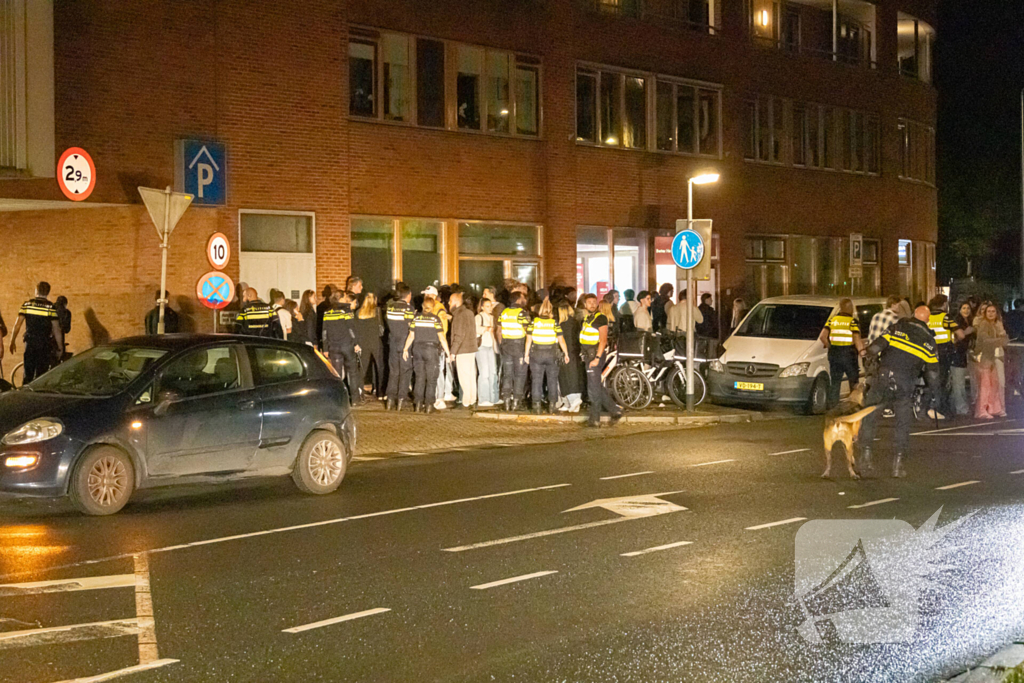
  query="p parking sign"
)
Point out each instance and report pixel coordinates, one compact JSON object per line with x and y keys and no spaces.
{"x":200,"y":169}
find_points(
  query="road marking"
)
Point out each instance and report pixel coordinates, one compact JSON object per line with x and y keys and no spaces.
{"x":514,"y":579}
{"x":956,"y":486}
{"x":110,"y":675}
{"x":623,"y":476}
{"x":297,"y":527}
{"x":771,"y":524}
{"x":536,"y":534}
{"x":68,"y":585}
{"x":657,"y":548}
{"x":336,"y":620}
{"x":148,"y":651}
{"x":799,"y":450}
{"x":874,"y":502}
{"x":1017,"y":472}
{"x":950,"y":429}
{"x":713,"y":462}
{"x":69,"y":633}
{"x":634,"y":506}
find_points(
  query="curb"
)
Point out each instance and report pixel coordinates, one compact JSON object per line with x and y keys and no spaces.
{"x":995,"y":668}
{"x":681,"y":420}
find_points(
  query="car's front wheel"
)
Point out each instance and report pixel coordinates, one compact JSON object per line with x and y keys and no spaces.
{"x":103,"y":481}
{"x":817,"y":404}
{"x":321,"y":465}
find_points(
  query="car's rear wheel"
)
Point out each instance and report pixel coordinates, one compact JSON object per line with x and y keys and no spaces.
{"x":103,"y":481}
{"x":817,"y":404}
{"x":320,"y":466}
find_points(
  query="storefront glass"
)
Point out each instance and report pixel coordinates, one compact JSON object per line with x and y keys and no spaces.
{"x":421,"y":253}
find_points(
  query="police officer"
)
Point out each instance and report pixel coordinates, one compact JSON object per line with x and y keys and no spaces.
{"x":945,"y":329}
{"x":593,"y":341}
{"x":399,"y":315}
{"x":512,"y":324}
{"x":544,"y":335}
{"x":841,"y":337}
{"x":426,"y":338}
{"x":257,"y":318}
{"x":43,"y":335}
{"x":906,"y":349}
{"x":339,"y":343}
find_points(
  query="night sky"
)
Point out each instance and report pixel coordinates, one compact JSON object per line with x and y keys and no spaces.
{"x":979,"y":76}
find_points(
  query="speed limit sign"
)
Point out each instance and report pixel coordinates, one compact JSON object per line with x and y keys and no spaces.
{"x":76,"y":174}
{"x":218,"y":250}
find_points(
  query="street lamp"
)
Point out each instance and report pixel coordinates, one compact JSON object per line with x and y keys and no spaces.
{"x":701,"y":179}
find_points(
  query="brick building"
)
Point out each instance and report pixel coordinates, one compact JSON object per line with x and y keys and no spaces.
{"x":447,"y":141}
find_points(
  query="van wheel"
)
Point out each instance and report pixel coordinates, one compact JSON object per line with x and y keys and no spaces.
{"x":817,"y":404}
{"x":103,"y":481}
{"x":321,"y":465}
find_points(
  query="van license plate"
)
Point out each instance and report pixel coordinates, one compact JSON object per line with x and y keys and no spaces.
{"x":749,"y":386}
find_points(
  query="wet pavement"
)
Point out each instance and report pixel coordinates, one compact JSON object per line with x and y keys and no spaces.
{"x":657,"y":556}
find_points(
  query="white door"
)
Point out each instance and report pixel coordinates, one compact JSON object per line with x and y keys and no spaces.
{"x":277,"y":252}
{"x":291,"y":273}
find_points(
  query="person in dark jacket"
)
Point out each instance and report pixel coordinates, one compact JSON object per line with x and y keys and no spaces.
{"x":659,"y":312}
{"x":570,"y":375}
{"x":170,"y":317}
{"x":369,"y":335}
{"x":339,"y":343}
{"x":257,"y":318}
{"x":321,"y":308}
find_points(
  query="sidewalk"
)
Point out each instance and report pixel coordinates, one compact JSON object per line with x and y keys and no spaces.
{"x":382,"y":433}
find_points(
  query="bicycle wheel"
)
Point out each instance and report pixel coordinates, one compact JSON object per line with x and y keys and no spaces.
{"x":677,"y":387}
{"x":17,"y":375}
{"x":631,"y":388}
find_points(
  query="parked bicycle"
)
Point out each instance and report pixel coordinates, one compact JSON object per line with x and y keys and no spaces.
{"x":644,"y":366}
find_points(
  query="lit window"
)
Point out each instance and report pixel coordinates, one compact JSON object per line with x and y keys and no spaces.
{"x":396,"y":79}
{"x":468,"y":86}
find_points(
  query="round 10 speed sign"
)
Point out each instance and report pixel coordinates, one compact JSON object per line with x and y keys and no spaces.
{"x":76,"y":174}
{"x":218,"y":250}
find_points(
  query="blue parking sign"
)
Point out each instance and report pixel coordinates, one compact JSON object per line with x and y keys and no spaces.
{"x":200,"y":170}
{"x":687,"y":249}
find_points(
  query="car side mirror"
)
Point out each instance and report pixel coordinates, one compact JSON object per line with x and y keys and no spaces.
{"x":164,"y":400}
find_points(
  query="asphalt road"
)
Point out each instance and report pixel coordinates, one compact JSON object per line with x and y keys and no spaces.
{"x":417,"y":554}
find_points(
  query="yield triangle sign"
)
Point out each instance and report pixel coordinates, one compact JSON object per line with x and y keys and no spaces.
{"x":156,"y":203}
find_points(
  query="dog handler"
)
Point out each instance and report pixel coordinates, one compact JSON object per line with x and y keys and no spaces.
{"x":906,"y":349}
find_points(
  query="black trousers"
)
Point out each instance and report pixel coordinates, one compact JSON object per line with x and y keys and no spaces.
{"x":370,"y":362}
{"x":399,"y":372}
{"x":938,"y":397}
{"x":513,"y":369}
{"x":544,"y":364}
{"x":38,"y":359}
{"x":599,"y":398}
{"x":426,"y":366}
{"x":346,"y":363}
{"x":842,"y":362}
{"x":890,"y":390}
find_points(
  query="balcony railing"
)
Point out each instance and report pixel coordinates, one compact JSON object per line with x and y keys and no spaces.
{"x":703,"y":16}
{"x":834,"y":30}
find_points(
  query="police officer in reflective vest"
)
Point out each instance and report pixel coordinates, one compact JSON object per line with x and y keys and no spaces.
{"x":544,"y":336}
{"x":512,"y":324}
{"x":426,"y":339}
{"x":946,"y":331}
{"x":257,"y":318}
{"x":339,"y":342}
{"x":43,"y":336}
{"x":399,"y":316}
{"x":593,"y":341}
{"x":841,"y":337}
{"x":907,"y":349}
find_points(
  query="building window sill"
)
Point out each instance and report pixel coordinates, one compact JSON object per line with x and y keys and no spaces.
{"x":354,"y":118}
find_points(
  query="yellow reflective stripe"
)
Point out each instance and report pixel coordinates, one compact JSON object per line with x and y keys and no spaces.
{"x":937,"y":324}
{"x":510,"y":324}
{"x":336,"y":315}
{"x":544,"y":332}
{"x":913,"y":349}
{"x":589,"y":335}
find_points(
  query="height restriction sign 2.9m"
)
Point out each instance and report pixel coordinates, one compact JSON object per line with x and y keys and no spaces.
{"x":76,"y":174}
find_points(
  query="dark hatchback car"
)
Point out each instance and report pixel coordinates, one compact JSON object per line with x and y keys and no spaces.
{"x":150,"y":411}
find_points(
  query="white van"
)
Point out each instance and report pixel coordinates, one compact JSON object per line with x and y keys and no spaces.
{"x":774,"y":356}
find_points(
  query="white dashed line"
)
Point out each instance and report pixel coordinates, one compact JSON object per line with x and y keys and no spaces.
{"x":713,"y":462}
{"x":1017,"y":472}
{"x":68,"y":585}
{"x":514,"y":579}
{"x":956,"y":486}
{"x":771,"y":524}
{"x":950,"y":429}
{"x":799,"y":450}
{"x":111,"y":675}
{"x":657,"y":548}
{"x":623,"y":476}
{"x":336,"y":620}
{"x":536,"y":534}
{"x":874,"y":502}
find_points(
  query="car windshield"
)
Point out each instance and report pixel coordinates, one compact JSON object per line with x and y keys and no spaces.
{"x":785,"y":321}
{"x":100,"y":371}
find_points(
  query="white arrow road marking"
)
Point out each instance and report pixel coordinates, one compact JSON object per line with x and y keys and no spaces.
{"x":799,"y":450}
{"x":110,"y":675}
{"x":68,"y":585}
{"x":336,"y":620}
{"x":956,"y":486}
{"x":514,"y":579}
{"x":623,"y":476}
{"x":874,"y":502}
{"x":771,"y":524}
{"x":69,"y":633}
{"x":657,"y":548}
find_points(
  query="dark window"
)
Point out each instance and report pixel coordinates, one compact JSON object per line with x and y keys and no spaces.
{"x":372,"y":249}
{"x":430,"y":82}
{"x":586,"y":97}
{"x":634,"y":133}
{"x":785,"y":321}
{"x":707,"y":107}
{"x":471,"y":66}
{"x":274,"y":366}
{"x":362,"y":67}
{"x":201,"y":372}
{"x":611,"y":103}
{"x":799,"y":135}
{"x":685,"y":106}
{"x":527,"y":100}
{"x":663,"y":107}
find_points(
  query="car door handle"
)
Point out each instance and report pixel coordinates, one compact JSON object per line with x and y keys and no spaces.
{"x":247,"y":405}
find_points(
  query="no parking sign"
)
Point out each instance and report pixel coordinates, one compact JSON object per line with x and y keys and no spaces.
{"x":215,"y":290}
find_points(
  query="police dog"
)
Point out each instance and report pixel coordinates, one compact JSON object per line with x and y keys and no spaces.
{"x":842,"y":424}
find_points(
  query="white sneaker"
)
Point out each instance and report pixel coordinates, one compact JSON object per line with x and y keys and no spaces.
{"x":934,"y":415}
{"x":484,"y":404}
{"x":574,"y":407}
{"x":450,"y":398}
{"x":440,"y":405}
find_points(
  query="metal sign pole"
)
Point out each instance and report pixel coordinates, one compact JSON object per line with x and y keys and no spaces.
{"x":163,"y":260}
{"x":689,"y":307}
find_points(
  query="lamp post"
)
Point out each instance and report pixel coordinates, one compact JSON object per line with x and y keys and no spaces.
{"x":702,"y":179}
